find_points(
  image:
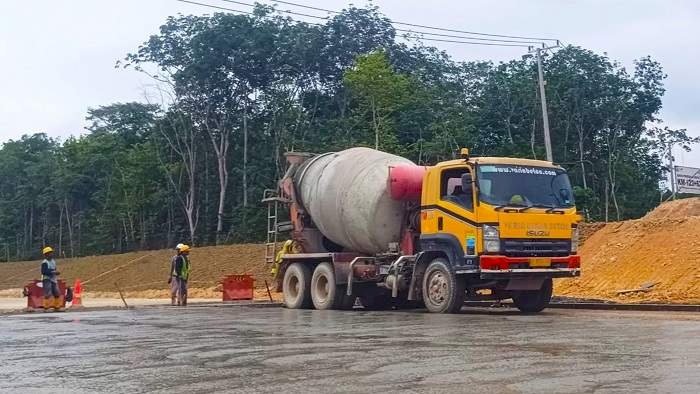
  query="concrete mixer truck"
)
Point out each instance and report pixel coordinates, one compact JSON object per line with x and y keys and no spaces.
{"x":371,"y":225}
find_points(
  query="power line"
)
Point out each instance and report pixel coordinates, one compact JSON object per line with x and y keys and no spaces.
{"x":496,"y":42}
{"x":418,"y":25}
{"x":397,"y":29}
{"x":318,"y":24}
{"x":215,"y":6}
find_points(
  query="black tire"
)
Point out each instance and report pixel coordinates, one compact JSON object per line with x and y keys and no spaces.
{"x":325,"y":293}
{"x":533,"y":301}
{"x":296,"y":287}
{"x":443,"y":291}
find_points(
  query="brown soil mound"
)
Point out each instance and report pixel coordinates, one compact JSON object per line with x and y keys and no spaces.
{"x":662,"y":248}
{"x":146,"y":272}
{"x":588,"y":229}
{"x":679,"y":209}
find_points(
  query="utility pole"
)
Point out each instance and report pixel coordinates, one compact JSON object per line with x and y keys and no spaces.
{"x":543,"y":99}
{"x":672,"y":170}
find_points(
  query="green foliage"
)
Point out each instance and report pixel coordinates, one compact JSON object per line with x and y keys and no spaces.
{"x":243,"y":89}
{"x":380,"y":94}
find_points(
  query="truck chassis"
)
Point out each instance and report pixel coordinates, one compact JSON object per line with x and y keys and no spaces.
{"x":336,"y":280}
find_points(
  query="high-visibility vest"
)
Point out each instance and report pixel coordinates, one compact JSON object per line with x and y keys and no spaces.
{"x":185,"y":272}
{"x":51,"y":264}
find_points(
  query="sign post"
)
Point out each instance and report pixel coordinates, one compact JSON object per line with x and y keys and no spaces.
{"x":687,"y":180}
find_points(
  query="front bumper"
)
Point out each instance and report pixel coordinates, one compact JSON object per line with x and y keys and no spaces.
{"x":504,"y":267}
{"x":531,"y":273}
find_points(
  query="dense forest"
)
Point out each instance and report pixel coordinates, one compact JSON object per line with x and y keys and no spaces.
{"x":232,"y":93}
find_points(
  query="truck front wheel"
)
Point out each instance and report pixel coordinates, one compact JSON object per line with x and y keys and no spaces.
{"x":296,"y":287}
{"x":443,"y":291}
{"x":325,"y":294}
{"x":533,"y":301}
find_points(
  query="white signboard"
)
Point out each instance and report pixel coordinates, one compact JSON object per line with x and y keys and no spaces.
{"x":687,"y":180}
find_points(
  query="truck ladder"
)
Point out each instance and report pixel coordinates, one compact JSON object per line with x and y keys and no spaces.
{"x":273,"y":225}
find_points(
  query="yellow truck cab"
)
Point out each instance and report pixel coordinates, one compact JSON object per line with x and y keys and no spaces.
{"x":509,"y":225}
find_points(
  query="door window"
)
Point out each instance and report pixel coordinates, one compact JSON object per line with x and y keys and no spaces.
{"x":456,"y":187}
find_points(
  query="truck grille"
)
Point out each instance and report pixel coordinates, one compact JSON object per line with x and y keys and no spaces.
{"x":535,"y":248}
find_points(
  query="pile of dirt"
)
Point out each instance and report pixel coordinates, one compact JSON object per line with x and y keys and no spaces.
{"x":145,"y":274}
{"x":659,"y":253}
{"x":588,"y":229}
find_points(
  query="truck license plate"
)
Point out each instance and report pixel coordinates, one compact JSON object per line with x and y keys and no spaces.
{"x":540,"y":262}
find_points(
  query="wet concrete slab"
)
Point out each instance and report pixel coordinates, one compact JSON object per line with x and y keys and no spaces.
{"x":20,"y":303}
{"x":275,"y":350}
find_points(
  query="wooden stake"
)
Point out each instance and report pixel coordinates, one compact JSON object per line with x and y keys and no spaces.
{"x":268,"y":290}
{"x":121,"y":295}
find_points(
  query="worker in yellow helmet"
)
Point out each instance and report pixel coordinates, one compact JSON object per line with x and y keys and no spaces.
{"x":180,"y":273}
{"x":49,"y":281}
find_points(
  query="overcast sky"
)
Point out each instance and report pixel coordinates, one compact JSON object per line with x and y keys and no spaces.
{"x":58,"y":56}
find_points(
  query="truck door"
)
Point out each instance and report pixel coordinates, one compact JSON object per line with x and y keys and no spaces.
{"x":456,"y":204}
{"x":448,"y":217}
{"x":451,"y":214}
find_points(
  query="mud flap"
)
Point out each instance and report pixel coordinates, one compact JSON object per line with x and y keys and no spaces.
{"x":525,"y":283}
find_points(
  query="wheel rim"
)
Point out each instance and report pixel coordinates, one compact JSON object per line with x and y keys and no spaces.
{"x":438,"y":288}
{"x":294,"y":286}
{"x":322,"y":288}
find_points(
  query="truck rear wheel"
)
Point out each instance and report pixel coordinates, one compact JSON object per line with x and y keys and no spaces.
{"x":443,"y":291}
{"x":533,"y":301}
{"x":325,"y":294}
{"x":296,"y":287}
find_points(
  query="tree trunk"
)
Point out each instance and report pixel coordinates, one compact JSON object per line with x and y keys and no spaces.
{"x":60,"y":230}
{"x":220,"y":140}
{"x":606,"y":200}
{"x":31,"y":227}
{"x":70,"y":228}
{"x":376,"y":125}
{"x":245,"y":154}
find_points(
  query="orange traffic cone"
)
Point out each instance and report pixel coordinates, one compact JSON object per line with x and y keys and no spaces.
{"x":77,"y":295}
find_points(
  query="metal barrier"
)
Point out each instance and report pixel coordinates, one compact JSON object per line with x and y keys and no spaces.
{"x":34,"y":292}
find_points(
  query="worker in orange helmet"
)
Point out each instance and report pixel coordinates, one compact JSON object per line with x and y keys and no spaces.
{"x":49,"y":281}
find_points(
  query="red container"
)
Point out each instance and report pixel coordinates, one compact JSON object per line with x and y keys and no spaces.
{"x":35,"y":294}
{"x":238,"y":287}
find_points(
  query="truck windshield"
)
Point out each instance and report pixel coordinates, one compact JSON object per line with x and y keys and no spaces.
{"x":526,"y":186}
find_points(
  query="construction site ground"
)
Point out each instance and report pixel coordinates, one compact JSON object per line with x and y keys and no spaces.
{"x":237,"y":349}
{"x":652,"y":259}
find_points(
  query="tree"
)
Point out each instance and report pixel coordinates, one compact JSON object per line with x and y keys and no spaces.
{"x":380,"y":93}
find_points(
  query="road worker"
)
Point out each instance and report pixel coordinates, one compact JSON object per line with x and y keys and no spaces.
{"x":173,"y":283}
{"x":287,"y":248}
{"x":49,"y":281}
{"x":181,"y":273}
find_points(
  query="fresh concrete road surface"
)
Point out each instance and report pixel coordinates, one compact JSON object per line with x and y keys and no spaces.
{"x":258,"y":350}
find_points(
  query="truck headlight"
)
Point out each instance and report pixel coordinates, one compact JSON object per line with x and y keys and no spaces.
{"x":574,"y":240}
{"x":491,"y":238}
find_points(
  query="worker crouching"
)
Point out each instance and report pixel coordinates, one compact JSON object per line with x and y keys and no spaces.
{"x":49,"y":281}
{"x":179,"y":275}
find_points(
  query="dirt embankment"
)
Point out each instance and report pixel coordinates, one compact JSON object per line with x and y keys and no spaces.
{"x":660,"y":251}
{"x":145,"y":274}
